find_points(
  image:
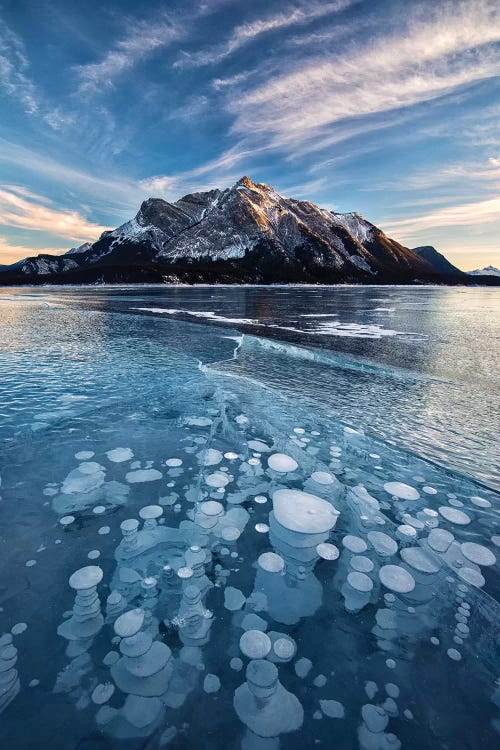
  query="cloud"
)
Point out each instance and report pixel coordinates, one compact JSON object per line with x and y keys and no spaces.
{"x":249,"y":32}
{"x":22,"y":211}
{"x":10,"y":253}
{"x":14,"y":65}
{"x":462,"y":215}
{"x":429,"y":58}
{"x":142,"y":40}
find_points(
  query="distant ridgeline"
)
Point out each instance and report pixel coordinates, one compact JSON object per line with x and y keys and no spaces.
{"x":245,"y":234}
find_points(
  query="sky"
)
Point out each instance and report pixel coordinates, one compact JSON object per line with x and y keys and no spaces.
{"x":386,"y":107}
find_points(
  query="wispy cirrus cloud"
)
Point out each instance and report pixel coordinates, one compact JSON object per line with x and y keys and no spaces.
{"x":14,"y":66}
{"x":246,"y":33}
{"x":19,"y":209}
{"x":462,"y":215}
{"x":140,"y":41}
{"x":430,"y":57}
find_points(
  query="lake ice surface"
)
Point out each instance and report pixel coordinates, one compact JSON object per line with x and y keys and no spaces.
{"x":206,"y":614}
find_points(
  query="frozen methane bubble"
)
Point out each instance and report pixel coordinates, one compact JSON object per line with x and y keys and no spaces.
{"x":382,"y":543}
{"x":302,"y":667}
{"x":480,"y":502}
{"x":453,"y":515}
{"x":327,"y":551}
{"x":211,"y":683}
{"x":401,"y":491}
{"x":173,"y":463}
{"x":217,"y":479}
{"x":262,"y":528}
{"x":430,"y":490}
{"x":118,"y":455}
{"x":143,"y":475}
{"x":354,"y":544}
{"x":477,"y":553}
{"x":282,"y":463}
{"x":333,"y":709}
{"x":150,"y":515}
{"x":18,"y":628}
{"x":264,"y":705}
{"x":472,"y":576}
{"x":260,"y":499}
{"x":9,"y":680}
{"x":375,"y":718}
{"x":102,"y":693}
{"x":360,"y":582}
{"x":259,"y":446}
{"x":419,"y":559}
{"x":255,"y":644}
{"x":303,"y":513}
{"x":271,"y":562}
{"x":323,"y":477}
{"x":212,"y":457}
{"x":233,"y":599}
{"x":361,"y":564}
{"x":129,"y":623}
{"x":284,"y":648}
{"x":66,"y":520}
{"x":396,"y":579}
{"x":439,"y":540}
{"x":84,"y":455}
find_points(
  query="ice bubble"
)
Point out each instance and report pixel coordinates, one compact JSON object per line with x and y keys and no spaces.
{"x":102,"y":693}
{"x":496,"y":540}
{"x":129,"y":623}
{"x":435,"y":641}
{"x":19,"y":628}
{"x":212,"y":508}
{"x":282,"y":463}
{"x":30,"y":563}
{"x":252,"y":621}
{"x":150,"y":512}
{"x":230,"y":533}
{"x":84,"y":455}
{"x":354,"y":544}
{"x":259,"y":446}
{"x":327,"y":551}
{"x":480,"y":502}
{"x":472,"y":576}
{"x":440,"y":539}
{"x":118,"y":455}
{"x":323,"y":477}
{"x":111,"y":658}
{"x":333,"y":709}
{"x":143,"y":475}
{"x":454,"y":654}
{"x":319,"y":681}
{"x":302,"y":667}
{"x":231,"y":456}
{"x":392,"y":690}
{"x":212,"y":457}
{"x":375,"y":718}
{"x":360,"y":582}
{"x":255,"y":644}
{"x":94,"y":554}
{"x":303,"y":513}
{"x":401,"y":490}
{"x":86,"y":578}
{"x":271,"y":562}
{"x":254,"y":461}
{"x":236,"y":664}
{"x":173,"y":463}
{"x":262,"y":528}
{"x":99,"y":510}
{"x":260,"y":499}
{"x":419,"y":559}
{"x":211,"y":683}
{"x":34,"y":683}
{"x":396,"y":579}
{"x":405,"y":532}
{"x":233,"y":599}
{"x":185,"y":573}
{"x":477,"y":553}
{"x":361,"y":564}
{"x":429,"y":490}
{"x":453,"y":515}
{"x":66,"y":520}
{"x":104,"y":530}
{"x":371,"y":689}
{"x":217,"y":479}
{"x":284,"y":648}
{"x":382,"y":543}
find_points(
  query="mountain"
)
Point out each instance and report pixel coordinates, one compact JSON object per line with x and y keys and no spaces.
{"x":488,"y":271}
{"x":247,"y":233}
{"x":437,"y":260}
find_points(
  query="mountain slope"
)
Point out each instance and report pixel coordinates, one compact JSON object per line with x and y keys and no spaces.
{"x":246,"y":233}
{"x":437,"y":260}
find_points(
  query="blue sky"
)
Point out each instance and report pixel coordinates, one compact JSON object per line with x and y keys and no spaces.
{"x":386,"y":107}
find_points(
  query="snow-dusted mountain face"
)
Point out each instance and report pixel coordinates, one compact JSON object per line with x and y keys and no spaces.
{"x":487,"y":271}
{"x":246,"y":233}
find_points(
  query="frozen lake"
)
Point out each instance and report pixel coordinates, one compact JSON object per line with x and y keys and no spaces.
{"x":253,"y":517}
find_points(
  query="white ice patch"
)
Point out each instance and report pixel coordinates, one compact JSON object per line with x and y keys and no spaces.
{"x":143,"y":475}
{"x":117,"y":455}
